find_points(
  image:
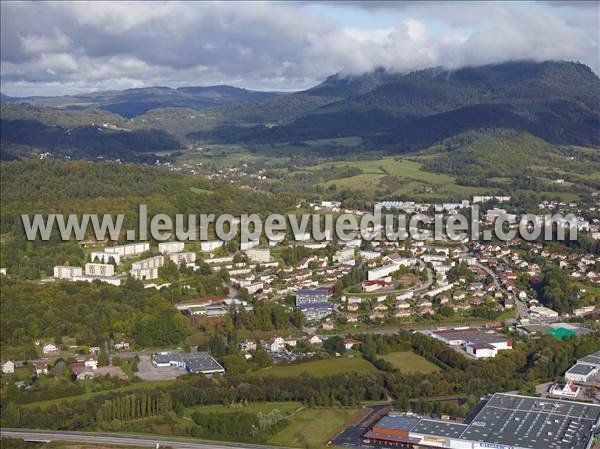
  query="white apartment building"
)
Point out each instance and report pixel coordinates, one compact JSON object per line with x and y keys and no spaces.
{"x":131,"y":249}
{"x":383,"y":271}
{"x":99,"y":269}
{"x":103,"y":257}
{"x":179,"y":258}
{"x":66,"y":272}
{"x":151,"y":262}
{"x":210,"y":245}
{"x":144,"y":273}
{"x":259,"y":255}
{"x":107,"y":279}
{"x":344,"y":254}
{"x":170,"y":247}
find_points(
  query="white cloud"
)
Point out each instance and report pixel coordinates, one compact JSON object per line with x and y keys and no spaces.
{"x":73,"y":46}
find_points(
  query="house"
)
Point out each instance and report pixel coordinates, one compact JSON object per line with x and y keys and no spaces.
{"x":371,"y":286}
{"x":8,"y":367}
{"x":291,"y":342}
{"x":352,"y":307}
{"x":49,"y":348}
{"x":80,"y":371}
{"x":458,"y":295}
{"x":328,"y":325}
{"x":349,"y":343}
{"x":40,"y":368}
{"x":122,"y":345}
{"x":276,"y":344}
{"x":402,"y":313}
{"x":247,"y":345}
{"x":315,"y":340}
{"x":90,"y":361}
{"x":376,"y":315}
{"x":351,"y":318}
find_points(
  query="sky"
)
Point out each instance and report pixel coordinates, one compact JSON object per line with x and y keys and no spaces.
{"x":60,"y":48}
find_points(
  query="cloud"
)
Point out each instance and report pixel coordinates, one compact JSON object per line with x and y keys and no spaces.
{"x":70,"y":47}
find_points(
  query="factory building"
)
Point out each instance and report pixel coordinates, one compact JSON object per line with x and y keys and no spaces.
{"x":502,"y":421}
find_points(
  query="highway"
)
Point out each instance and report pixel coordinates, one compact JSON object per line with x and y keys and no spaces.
{"x":122,"y":439}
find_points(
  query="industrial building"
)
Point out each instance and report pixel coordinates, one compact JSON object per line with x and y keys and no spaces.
{"x":476,"y":342}
{"x":501,"y":421}
{"x":193,"y":362}
{"x":585,"y":369}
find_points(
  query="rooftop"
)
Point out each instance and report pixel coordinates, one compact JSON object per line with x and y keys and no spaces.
{"x":502,"y":420}
{"x":581,"y":370}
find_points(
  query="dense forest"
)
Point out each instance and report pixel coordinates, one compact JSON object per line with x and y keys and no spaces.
{"x":90,"y":312}
{"x":46,"y":187}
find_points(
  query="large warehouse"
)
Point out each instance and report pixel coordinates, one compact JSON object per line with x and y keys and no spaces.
{"x":502,"y":421}
{"x":476,"y":342}
{"x":585,"y":369}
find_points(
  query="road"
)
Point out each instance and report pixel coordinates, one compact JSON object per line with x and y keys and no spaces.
{"x":122,"y":439}
{"x":522,"y":311}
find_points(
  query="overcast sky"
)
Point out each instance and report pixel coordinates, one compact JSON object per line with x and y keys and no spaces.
{"x":72,"y":47}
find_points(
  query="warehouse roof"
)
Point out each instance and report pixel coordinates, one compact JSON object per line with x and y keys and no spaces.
{"x":503,"y":420}
{"x":592,"y":359}
{"x":581,"y":370}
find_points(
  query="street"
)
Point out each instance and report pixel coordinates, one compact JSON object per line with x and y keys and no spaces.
{"x":121,"y":439}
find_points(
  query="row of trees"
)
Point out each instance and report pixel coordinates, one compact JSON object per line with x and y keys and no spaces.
{"x":126,"y":408}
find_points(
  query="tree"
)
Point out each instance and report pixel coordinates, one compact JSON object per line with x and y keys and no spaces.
{"x":261,"y":357}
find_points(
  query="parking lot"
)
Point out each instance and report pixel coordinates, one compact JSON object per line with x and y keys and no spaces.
{"x":147,"y":371}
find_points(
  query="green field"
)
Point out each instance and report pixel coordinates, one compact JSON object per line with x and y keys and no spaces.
{"x":320,"y":368}
{"x":409,"y":362}
{"x":313,"y":428}
{"x":406,"y":176}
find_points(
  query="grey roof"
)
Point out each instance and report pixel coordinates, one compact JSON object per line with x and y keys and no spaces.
{"x":535,"y":423}
{"x":440,"y":428}
{"x":581,"y":370}
{"x":507,"y":420}
{"x":167,"y":357}
{"x":397,"y":421}
{"x":201,"y":362}
{"x":592,"y":359}
{"x":471,"y":335}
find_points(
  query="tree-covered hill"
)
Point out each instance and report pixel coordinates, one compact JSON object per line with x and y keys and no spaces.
{"x":133,"y":102}
{"x":558,"y":101}
{"x":85,"y":141}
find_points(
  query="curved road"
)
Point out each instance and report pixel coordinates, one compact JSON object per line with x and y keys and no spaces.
{"x":522,"y":311}
{"x":122,"y":439}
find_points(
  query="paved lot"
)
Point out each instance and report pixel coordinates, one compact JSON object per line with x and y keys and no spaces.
{"x":112,"y":371}
{"x":351,"y":436}
{"x":147,"y":371}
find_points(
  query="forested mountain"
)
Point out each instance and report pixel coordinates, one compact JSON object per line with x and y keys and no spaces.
{"x":558,"y":101}
{"x":132,"y":102}
{"x":89,"y":141}
{"x":555,"y":101}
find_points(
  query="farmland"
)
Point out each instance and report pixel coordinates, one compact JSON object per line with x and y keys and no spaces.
{"x":321,"y":368}
{"x":409,"y":362}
